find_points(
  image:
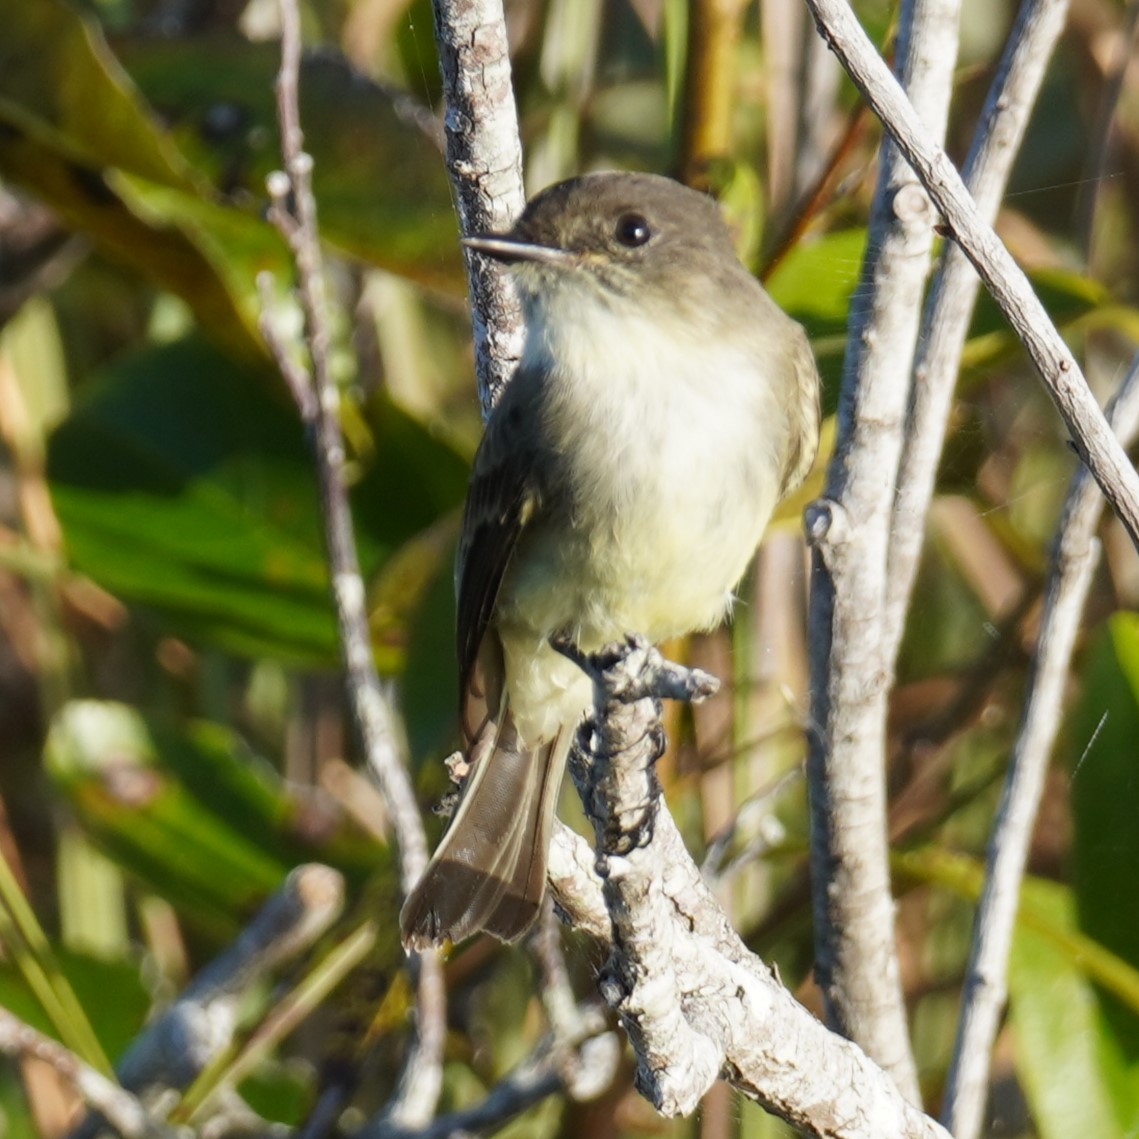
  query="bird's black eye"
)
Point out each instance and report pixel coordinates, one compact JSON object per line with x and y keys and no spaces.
{"x":632,"y":230}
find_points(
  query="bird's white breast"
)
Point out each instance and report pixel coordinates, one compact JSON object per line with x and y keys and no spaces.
{"x":666,"y":466}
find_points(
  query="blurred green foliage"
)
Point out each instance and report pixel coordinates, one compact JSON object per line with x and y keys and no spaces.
{"x":168,"y":658}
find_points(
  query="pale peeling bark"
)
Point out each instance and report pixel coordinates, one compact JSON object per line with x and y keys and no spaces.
{"x":856,"y":961}
{"x":574,"y":883}
{"x":484,"y":160}
{"x":1074,"y":558}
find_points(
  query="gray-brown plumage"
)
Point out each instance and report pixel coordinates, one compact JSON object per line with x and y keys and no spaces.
{"x":662,"y":406}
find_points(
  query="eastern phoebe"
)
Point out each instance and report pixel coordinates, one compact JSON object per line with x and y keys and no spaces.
{"x":662,"y":406}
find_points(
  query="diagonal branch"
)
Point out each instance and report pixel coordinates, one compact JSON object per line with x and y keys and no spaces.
{"x":179,"y":1044}
{"x":293,"y":211}
{"x":575,"y":885}
{"x":533,"y":1079}
{"x":1093,"y":439}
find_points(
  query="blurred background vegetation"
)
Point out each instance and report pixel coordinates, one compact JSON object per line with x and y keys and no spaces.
{"x":171,"y":722}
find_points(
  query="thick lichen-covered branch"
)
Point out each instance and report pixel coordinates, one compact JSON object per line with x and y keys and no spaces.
{"x":696,"y":1004}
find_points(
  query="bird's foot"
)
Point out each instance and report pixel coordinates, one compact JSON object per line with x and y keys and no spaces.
{"x":633,"y":669}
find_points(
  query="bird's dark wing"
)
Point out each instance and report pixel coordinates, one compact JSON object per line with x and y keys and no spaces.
{"x":502,"y":498}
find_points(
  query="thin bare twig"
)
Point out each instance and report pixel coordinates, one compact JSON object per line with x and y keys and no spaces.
{"x":286,"y":1014}
{"x":421,"y":1080}
{"x":855,"y":955}
{"x":484,"y":160}
{"x":324,"y":1114}
{"x":529,"y":1083}
{"x":949,"y":307}
{"x":118,"y":1107}
{"x":178,"y":1045}
{"x":1074,"y":559}
{"x":586,"y":1057}
{"x":816,"y":195}
{"x":562,"y":1013}
{"x":1093,"y":439}
{"x":293,"y":210}
{"x":596,"y":1053}
{"x":755,"y":814}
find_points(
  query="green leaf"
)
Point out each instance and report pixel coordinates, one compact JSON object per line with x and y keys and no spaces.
{"x":61,"y":84}
{"x":74,"y":131}
{"x":1074,"y":302}
{"x":963,"y":875}
{"x":1067,"y":1054}
{"x":1066,"y":296}
{"x":27,"y":949}
{"x":193,"y":813}
{"x":1068,"y":997}
{"x":1105,"y":786}
{"x":813,"y":283}
{"x":380,"y":182}
{"x":183,"y":483}
{"x":1105,"y":802}
{"x":111,"y":993}
{"x":92,"y":201}
{"x":280,"y":1092}
{"x":174,"y":188}
{"x":429,"y":692}
{"x":15,"y":1116}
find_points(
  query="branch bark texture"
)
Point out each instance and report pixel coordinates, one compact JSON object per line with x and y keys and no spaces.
{"x":1094,"y":440}
{"x":1074,"y":558}
{"x":695,"y":1003}
{"x":856,"y":960}
{"x":949,"y":307}
{"x":574,"y":883}
{"x":484,"y":159}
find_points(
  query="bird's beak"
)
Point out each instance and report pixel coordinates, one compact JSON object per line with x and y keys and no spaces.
{"x":503,"y":247}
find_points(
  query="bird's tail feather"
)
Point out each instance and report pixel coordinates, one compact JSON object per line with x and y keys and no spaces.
{"x":489,"y":870}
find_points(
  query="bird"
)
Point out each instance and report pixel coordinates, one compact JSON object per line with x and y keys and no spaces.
{"x":662,"y":406}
